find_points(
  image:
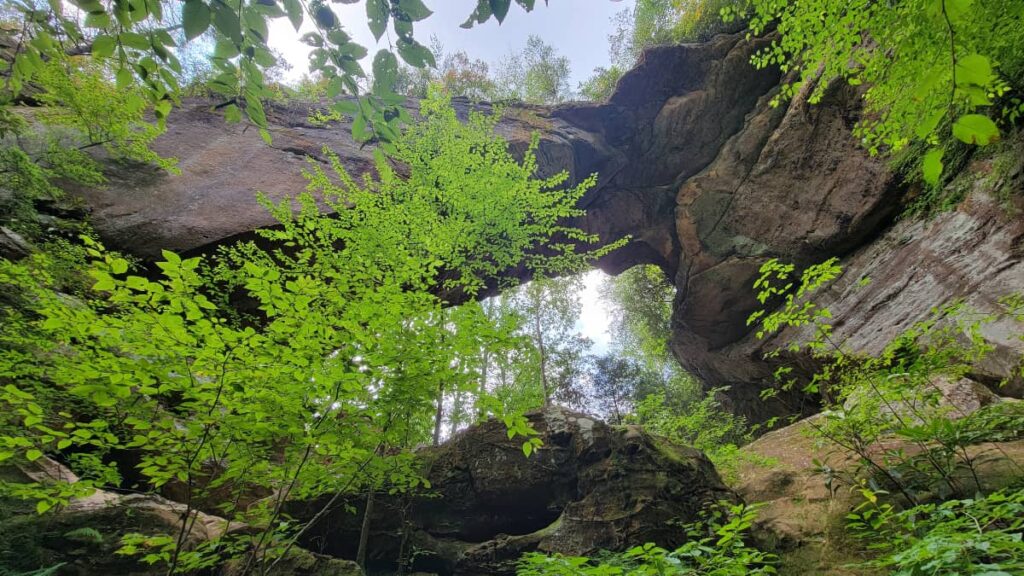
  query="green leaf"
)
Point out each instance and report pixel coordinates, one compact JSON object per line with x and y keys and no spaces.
{"x":123,"y":78}
{"x":973,"y":69}
{"x":347,"y":107}
{"x":33,"y":455}
{"x":334,"y":87}
{"x":196,"y":18}
{"x":232,"y":114}
{"x":385,"y":70}
{"x":526,"y":4}
{"x":294,"y":10}
{"x":119,"y":265}
{"x":325,"y":17}
{"x":225,"y":20}
{"x":955,"y":9}
{"x":377,"y":14}
{"x":975,"y":129}
{"x":42,"y":506}
{"x":134,"y":40}
{"x":225,"y":49}
{"x":500,"y":9}
{"x":932,"y":166}
{"x":480,"y":15}
{"x":928,"y":125}
{"x":360,"y":131}
{"x":97,"y":20}
{"x":415,"y":54}
{"x":103,"y":46}
{"x":414,"y":9}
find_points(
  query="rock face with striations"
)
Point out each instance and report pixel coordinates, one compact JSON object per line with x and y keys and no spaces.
{"x":708,"y":178}
{"x":589,"y":487}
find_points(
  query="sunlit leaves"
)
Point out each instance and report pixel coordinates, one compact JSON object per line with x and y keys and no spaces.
{"x":931,"y":166}
{"x":145,"y":57}
{"x":973,"y":69}
{"x":933,"y":68}
{"x":975,"y":129}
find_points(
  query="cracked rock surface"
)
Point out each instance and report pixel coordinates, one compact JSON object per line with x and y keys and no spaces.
{"x":708,"y":179}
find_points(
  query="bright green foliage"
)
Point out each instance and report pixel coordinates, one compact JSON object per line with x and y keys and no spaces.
{"x":703,"y":424}
{"x":601,"y":84}
{"x":934,"y":69}
{"x":716,"y":547}
{"x":910,"y":436}
{"x":79,"y":108}
{"x":137,"y":41}
{"x":537,"y":75}
{"x":551,"y":366}
{"x":980,"y":536}
{"x":796,"y":309}
{"x":641,"y":308}
{"x":330,"y":377}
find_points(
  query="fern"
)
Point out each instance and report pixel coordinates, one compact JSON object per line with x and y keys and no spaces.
{"x":85,"y":534}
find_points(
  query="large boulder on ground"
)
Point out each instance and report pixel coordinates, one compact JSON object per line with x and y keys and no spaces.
{"x":83,"y":538}
{"x":591,"y":486}
{"x":804,"y":508}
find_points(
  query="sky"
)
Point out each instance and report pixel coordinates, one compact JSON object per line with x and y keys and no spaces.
{"x":577,"y":29}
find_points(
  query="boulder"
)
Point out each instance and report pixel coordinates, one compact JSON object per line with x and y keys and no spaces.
{"x":804,"y":514}
{"x":83,"y":538}
{"x":952,"y":398}
{"x":591,"y":486}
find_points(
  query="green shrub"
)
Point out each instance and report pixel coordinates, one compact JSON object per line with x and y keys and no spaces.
{"x":979,"y":535}
{"x":716,"y":546}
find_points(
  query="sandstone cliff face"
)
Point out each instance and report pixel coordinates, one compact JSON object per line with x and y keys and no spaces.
{"x":708,"y":178}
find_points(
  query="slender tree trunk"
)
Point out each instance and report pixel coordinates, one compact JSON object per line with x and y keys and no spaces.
{"x":439,"y":415}
{"x":543,"y":359}
{"x":482,"y":388}
{"x":364,"y":532}
{"x":456,"y":414}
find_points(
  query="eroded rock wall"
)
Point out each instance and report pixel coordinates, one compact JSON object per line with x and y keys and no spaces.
{"x":590,"y":487}
{"x":695,"y":164}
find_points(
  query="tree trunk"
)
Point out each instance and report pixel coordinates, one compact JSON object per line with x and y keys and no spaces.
{"x":456,"y":414}
{"x":439,"y":415}
{"x":364,"y":532}
{"x":543,"y":359}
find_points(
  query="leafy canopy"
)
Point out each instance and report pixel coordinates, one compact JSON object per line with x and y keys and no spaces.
{"x":933,"y":70}
{"x":136,"y":39}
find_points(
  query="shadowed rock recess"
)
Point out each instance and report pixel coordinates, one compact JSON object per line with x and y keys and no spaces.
{"x":695,"y":164}
{"x":590,"y":487}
